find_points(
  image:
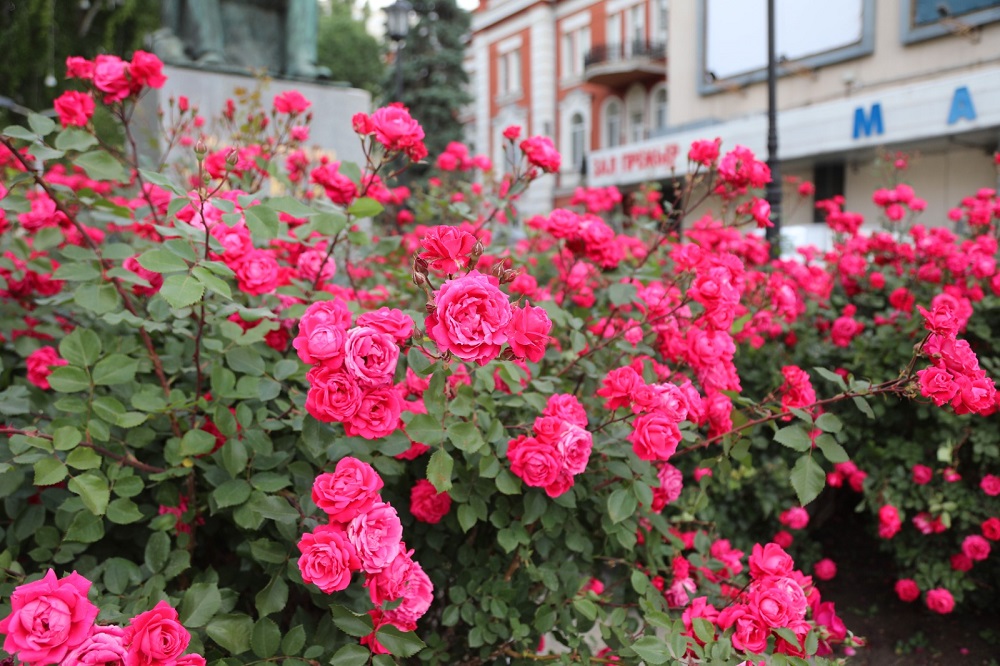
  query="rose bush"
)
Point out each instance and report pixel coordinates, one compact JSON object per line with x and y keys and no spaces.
{"x":555,"y":430}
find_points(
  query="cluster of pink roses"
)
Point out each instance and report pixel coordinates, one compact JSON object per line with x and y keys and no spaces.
{"x":52,"y":622}
{"x":955,"y":375}
{"x":558,"y":451}
{"x":364,"y":534}
{"x":112,"y":78}
{"x":351,"y":380}
{"x":395,"y":129}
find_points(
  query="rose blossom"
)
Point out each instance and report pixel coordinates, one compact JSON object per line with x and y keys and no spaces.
{"x":991,"y":528}
{"x":825,"y":569}
{"x":389,"y":320}
{"x":922,"y":474}
{"x":670,"y":488}
{"x":541,"y":153}
{"x":447,"y":249}
{"x":772,"y":605}
{"x":291,"y":102}
{"x":328,"y":558}
{"x":976,"y":548}
{"x":907,"y":590}
{"x":796,"y":518}
{"x":74,"y":108}
{"x":471,"y":318}
{"x":528,"y":332}
{"x":145,"y":70}
{"x":990,"y":485}
{"x":769,"y":560}
{"x":566,"y":407}
{"x":40,"y":364}
{"x":376,"y":536}
{"x":535,"y":462}
{"x":395,"y":128}
{"x":377,"y":414}
{"x":370,"y":356}
{"x":389,"y":583}
{"x":104,"y":645}
{"x":418,"y":593}
{"x":191,"y":660}
{"x":428,"y":505}
{"x":111,"y":78}
{"x":655,"y":436}
{"x":48,"y":618}
{"x":322,"y":330}
{"x":258,"y":273}
{"x":940,"y":600}
{"x":155,"y":637}
{"x":350,"y":490}
{"x":334,"y":395}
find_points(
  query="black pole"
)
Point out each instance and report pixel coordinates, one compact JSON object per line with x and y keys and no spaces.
{"x":773,"y":234}
{"x":398,"y":87}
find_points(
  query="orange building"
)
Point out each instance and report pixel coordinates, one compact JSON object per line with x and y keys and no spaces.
{"x":590,"y":74}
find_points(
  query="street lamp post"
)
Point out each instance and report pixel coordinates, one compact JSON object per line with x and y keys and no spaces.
{"x":397,"y":26}
{"x":773,"y":233}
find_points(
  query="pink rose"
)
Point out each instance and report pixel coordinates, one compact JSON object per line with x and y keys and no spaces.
{"x":191,"y":660}
{"x":40,"y":363}
{"x":772,"y":605}
{"x":258,"y":273}
{"x":619,"y":386}
{"x":377,"y":415}
{"x":976,"y":548}
{"x":328,"y":558}
{"x":310,"y":264}
{"x":291,"y":102}
{"x":395,"y":128}
{"x":155,"y":637}
{"x":751,"y":634}
{"x":937,"y":384}
{"x":334,"y":395}
{"x":428,"y":505}
{"x":528,"y":332}
{"x":79,"y":68}
{"x":418,"y":593}
{"x":376,"y":536}
{"x":350,"y":490}
{"x":566,"y":407}
{"x":907,"y":590}
{"x":48,"y":618}
{"x":991,"y":528}
{"x":322,"y":331}
{"x":105,"y":645}
{"x":390,"y":321}
{"x":535,"y":462}
{"x":471,"y":318}
{"x":990,"y":484}
{"x":111,"y":77}
{"x":670,"y":488}
{"x":447,"y":249}
{"x":922,"y":474}
{"x":940,"y":600}
{"x":825,"y":569}
{"x":655,"y":436}
{"x":338,"y":187}
{"x":574,"y":445}
{"x":146,"y":70}
{"x":796,"y":518}
{"x":541,"y":153}
{"x":370,"y":356}
{"x":74,"y":108}
{"x":769,"y":560}
{"x":389,"y":583}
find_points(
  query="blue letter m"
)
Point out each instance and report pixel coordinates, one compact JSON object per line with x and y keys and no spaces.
{"x":870,"y":123}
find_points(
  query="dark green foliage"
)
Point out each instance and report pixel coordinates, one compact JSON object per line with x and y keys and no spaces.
{"x":344,"y":45}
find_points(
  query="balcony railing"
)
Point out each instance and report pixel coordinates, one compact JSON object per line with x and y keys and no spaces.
{"x":618,"y":65}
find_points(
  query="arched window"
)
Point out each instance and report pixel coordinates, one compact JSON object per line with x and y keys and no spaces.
{"x":577,"y":133}
{"x":660,"y":110}
{"x":613,"y":124}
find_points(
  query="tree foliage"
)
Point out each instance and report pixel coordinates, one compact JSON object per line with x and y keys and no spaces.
{"x":344,"y":45}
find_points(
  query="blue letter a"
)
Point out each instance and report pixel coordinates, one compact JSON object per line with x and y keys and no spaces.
{"x":961,"y":106}
{"x":870,"y":123}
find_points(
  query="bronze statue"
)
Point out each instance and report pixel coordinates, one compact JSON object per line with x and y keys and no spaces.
{"x":277,"y":35}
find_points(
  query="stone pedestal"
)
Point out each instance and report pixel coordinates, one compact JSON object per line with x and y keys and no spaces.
{"x":333,"y":105}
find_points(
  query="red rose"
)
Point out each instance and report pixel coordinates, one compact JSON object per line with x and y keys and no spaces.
{"x":74,"y":108}
{"x":328,"y":558}
{"x":350,"y":490}
{"x":334,"y":395}
{"x":528,"y":332}
{"x":940,"y":600}
{"x":338,"y":187}
{"x":291,"y":102}
{"x":395,"y":128}
{"x":536,"y":463}
{"x":40,"y":363}
{"x":146,"y":70}
{"x":390,"y":321}
{"x":655,"y":436}
{"x":370,"y":356}
{"x":471,"y":318}
{"x":769,"y":560}
{"x":111,"y":77}
{"x":541,"y":153}
{"x":447,"y":249}
{"x":155,"y":637}
{"x":428,"y":505}
{"x":322,"y":331}
{"x":907,"y":590}
{"x":258,"y":273}
{"x":377,"y":415}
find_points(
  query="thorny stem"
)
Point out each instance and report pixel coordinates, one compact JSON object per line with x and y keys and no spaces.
{"x":95,"y":248}
{"x":128,"y":459}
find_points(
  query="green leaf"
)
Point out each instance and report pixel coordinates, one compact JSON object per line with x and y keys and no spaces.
{"x":199,"y":604}
{"x":652,"y":650}
{"x":794,"y":437}
{"x":18,"y":132}
{"x":832,"y":450}
{"x":123,"y":511}
{"x":93,"y":490}
{"x":351,"y":655}
{"x":157,"y":551}
{"x":290,"y":205}
{"x":232,"y":632}
{"x":293,"y":641}
{"x":232,"y":493}
{"x":49,"y":471}
{"x":864,"y":407}
{"x":41,"y":125}
{"x":115,"y":369}
{"x":266,"y":638}
{"x":351,"y":623}
{"x":212,"y":283}
{"x":831,"y":376}
{"x":160,"y":180}
{"x":466,"y":517}
{"x":66,"y":438}
{"x":83,"y":458}
{"x":262,"y":222}
{"x":807,"y":479}
{"x":439,"y":469}
{"x":85,"y":528}
{"x":829,"y":423}
{"x":425,"y":429}
{"x":365,"y":207}
{"x":621,"y":293}
{"x":162,"y":261}
{"x":15,"y":400}
{"x":703,"y":629}
{"x":621,"y":505}
{"x":82,"y":347}
{"x":245,"y":360}
{"x":274,"y":596}
{"x":69,"y":379}
{"x":507,"y":483}
{"x":465,"y":436}
{"x":98,"y":298}
{"x":399,"y":643}
{"x":196,"y":443}
{"x":181,"y":291}
{"x":100,"y":165}
{"x":586,"y":608}
{"x":417,"y":360}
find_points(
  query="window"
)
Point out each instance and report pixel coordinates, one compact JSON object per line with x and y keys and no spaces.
{"x":660,"y":17}
{"x":613,"y":124}
{"x":578,"y":137}
{"x":829,"y":182}
{"x":636,"y":28}
{"x":509,"y":73}
{"x":613,"y":36}
{"x":925,"y":19}
{"x":575,"y":45}
{"x":660,"y":110}
{"x":637,"y":127}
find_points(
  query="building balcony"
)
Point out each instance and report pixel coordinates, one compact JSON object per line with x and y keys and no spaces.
{"x":619,"y":65}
